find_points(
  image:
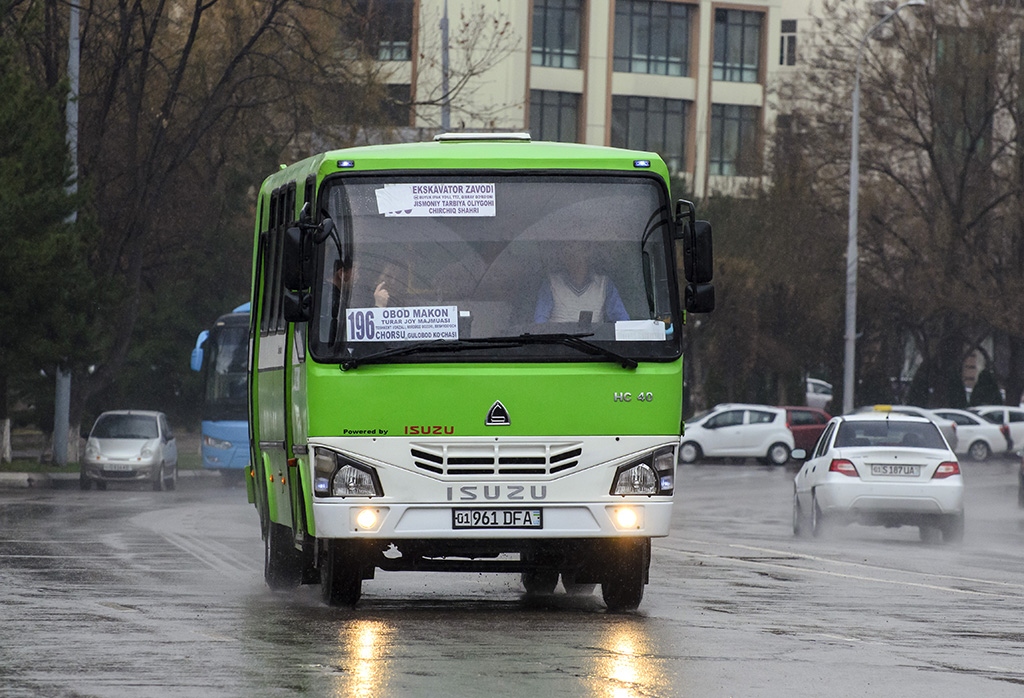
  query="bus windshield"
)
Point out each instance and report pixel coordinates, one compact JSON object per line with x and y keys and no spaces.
{"x":226,"y":372}
{"x":499,"y":267}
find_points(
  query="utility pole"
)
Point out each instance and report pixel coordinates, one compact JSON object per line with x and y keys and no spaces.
{"x":62,"y":399}
{"x":446,"y":116}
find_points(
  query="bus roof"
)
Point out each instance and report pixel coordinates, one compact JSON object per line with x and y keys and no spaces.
{"x":494,"y":152}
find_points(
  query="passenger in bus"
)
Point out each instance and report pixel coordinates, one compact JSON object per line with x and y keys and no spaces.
{"x":576,"y":293}
{"x":374,"y":295}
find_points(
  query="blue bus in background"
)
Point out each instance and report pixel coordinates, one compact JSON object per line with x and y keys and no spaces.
{"x":221,"y":354}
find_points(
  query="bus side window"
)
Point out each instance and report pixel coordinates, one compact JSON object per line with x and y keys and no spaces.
{"x":269,"y":249}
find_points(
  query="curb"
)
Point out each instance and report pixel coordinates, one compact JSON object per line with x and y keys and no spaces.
{"x":42,"y":481}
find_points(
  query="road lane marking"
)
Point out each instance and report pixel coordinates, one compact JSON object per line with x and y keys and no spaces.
{"x":841,"y":575}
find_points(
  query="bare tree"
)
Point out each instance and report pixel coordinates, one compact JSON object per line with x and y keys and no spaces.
{"x":940,"y":205}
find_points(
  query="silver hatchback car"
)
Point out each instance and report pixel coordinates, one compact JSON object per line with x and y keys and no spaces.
{"x":130,"y":446}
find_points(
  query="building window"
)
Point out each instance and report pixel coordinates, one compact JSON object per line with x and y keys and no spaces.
{"x":652,"y":37}
{"x":734,"y":140}
{"x":554,"y":116}
{"x":651,"y":123}
{"x":737,"y":46}
{"x":382,"y":28}
{"x":556,"y":33}
{"x":787,"y":45}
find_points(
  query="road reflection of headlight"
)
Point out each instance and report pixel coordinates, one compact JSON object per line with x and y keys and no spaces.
{"x":365,"y":646}
{"x":627,"y":669}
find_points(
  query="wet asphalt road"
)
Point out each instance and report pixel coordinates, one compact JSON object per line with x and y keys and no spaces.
{"x":136,"y":593}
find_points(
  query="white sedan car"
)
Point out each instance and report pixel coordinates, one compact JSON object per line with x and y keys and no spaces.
{"x":882,"y":469}
{"x":977,"y":438}
{"x":738,"y":431}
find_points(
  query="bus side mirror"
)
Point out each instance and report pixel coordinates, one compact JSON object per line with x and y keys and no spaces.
{"x":698,"y":258}
{"x":196,"y":362}
{"x":297,"y":261}
{"x":700,"y":298}
{"x":297,"y":306}
{"x":697,"y":252}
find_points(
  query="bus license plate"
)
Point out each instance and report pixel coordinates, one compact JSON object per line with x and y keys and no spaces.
{"x":898,"y":470}
{"x":496,"y":518}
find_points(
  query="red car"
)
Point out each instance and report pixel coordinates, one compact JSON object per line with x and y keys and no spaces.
{"x":806,"y":423}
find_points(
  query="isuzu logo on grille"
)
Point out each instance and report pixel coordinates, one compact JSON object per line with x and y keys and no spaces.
{"x":497,"y":416}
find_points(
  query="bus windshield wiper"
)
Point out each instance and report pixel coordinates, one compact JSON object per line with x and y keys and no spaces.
{"x":575,"y":341}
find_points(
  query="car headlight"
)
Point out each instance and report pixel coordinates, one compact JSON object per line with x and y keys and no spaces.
{"x":652,"y":474}
{"x":216,"y":443}
{"x":92,"y":449}
{"x":334,"y":475}
{"x":146,"y":453}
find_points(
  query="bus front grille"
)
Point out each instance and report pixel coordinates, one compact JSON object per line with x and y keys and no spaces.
{"x":496,"y":459}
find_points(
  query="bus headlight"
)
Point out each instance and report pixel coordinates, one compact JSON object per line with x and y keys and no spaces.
{"x":653,"y":474}
{"x":334,"y":475}
{"x":216,"y":443}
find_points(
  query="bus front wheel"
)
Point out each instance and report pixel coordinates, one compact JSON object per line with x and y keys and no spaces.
{"x":627,"y":564}
{"x":341,"y":573}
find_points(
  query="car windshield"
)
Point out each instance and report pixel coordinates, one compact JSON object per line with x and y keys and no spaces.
{"x":495,"y":268}
{"x":889,"y":432}
{"x":125,"y":426}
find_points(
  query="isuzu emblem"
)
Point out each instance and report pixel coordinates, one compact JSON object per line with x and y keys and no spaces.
{"x":497,"y":416}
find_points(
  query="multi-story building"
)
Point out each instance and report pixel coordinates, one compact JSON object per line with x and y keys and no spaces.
{"x":689,"y":79}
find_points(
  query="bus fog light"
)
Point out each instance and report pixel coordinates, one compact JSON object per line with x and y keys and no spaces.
{"x":626,"y":518}
{"x":367,"y":518}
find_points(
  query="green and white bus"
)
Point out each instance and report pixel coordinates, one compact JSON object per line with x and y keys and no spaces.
{"x":466,"y":356}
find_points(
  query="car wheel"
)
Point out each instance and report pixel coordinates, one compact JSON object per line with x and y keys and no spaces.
{"x":929,"y":533}
{"x":690,"y":452}
{"x":953,"y":528}
{"x":979,"y":451}
{"x":84,"y":482}
{"x":778,"y":454}
{"x":171,"y":483}
{"x":341,"y":573}
{"x":819,"y":523}
{"x":101,"y":485}
{"x":801,"y":522}
{"x":158,"y":483}
{"x":626,"y":573}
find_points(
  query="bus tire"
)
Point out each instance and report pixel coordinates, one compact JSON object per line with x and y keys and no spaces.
{"x":626,"y":567}
{"x":341,"y":573}
{"x":281,"y":569}
{"x":539,"y":581}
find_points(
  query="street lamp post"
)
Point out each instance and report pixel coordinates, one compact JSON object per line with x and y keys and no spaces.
{"x":851,"y":246}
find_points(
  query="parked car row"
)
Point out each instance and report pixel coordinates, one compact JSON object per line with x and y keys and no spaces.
{"x":771,"y":434}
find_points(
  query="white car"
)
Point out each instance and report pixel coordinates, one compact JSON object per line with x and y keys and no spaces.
{"x":946,"y":426}
{"x":819,"y":393}
{"x":740,"y":431}
{"x":130,"y":446}
{"x":1012,"y":417}
{"x":882,"y":469}
{"x":977,"y":438}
